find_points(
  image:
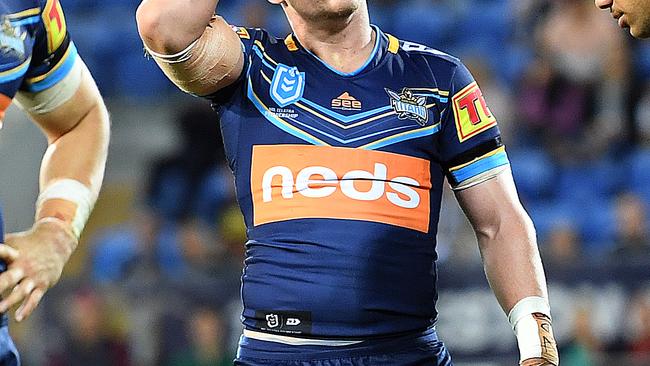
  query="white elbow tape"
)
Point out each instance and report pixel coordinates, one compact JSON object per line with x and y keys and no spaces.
{"x":73,"y":191}
{"x":527,"y":327}
{"x":181,"y":56}
{"x":201,"y":66}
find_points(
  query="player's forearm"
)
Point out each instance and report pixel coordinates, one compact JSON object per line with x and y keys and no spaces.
{"x":79,"y":155}
{"x":169,"y":26}
{"x":511,"y":260}
{"x":515,"y":273}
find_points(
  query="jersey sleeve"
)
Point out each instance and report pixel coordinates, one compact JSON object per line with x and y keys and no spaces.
{"x":471,"y":147}
{"x":54,"y":54}
{"x":252,"y":40}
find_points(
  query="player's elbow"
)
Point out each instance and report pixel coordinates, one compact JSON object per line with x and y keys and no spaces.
{"x":155,"y":30}
{"x":148,"y":19}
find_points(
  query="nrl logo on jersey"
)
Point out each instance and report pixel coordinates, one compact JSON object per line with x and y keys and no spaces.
{"x":408,"y":105}
{"x":12,"y":39}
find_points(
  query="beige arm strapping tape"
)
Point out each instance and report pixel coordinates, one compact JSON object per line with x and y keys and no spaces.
{"x":208,"y":64}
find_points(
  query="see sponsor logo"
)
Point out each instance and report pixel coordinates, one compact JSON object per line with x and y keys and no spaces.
{"x":298,"y":182}
{"x":471,"y":112}
{"x":346,"y":102}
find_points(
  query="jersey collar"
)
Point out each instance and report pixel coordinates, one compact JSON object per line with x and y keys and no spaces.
{"x":380,"y":48}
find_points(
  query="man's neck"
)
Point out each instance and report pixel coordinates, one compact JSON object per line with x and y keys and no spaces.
{"x":345,"y":45}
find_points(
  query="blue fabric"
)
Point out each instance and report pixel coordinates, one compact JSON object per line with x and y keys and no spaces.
{"x":418,"y":349}
{"x":364,"y":277}
{"x":8,"y":352}
{"x":27,"y":40}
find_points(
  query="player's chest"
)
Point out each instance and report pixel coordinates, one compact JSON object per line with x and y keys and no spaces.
{"x":370,"y":112}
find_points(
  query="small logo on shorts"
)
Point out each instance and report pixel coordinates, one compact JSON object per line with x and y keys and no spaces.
{"x":293,"y":321}
{"x":280,"y":321}
{"x":273,"y":320}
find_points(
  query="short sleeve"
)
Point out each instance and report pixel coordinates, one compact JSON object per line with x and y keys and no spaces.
{"x":54,"y":54}
{"x":471,"y":146}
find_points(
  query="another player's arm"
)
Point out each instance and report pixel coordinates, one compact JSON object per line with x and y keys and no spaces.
{"x":197,"y":50}
{"x":72,"y":170}
{"x":507,"y":242}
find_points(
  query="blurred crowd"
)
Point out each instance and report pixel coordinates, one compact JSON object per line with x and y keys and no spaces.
{"x":572,"y":96}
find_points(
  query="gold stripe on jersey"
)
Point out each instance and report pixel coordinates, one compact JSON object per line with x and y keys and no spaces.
{"x":23,"y":14}
{"x":491,"y":153}
{"x":393,"y":44}
{"x":290,"y":43}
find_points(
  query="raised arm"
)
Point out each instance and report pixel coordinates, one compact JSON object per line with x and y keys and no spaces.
{"x":197,"y":50}
{"x":506,"y":238}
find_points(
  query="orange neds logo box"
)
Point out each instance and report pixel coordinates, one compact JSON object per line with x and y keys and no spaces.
{"x":302,"y":181}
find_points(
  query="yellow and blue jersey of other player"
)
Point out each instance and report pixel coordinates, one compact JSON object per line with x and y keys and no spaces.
{"x":35,"y":47}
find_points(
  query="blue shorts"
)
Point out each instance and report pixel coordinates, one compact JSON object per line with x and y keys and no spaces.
{"x":418,"y":349}
{"x":8,"y":352}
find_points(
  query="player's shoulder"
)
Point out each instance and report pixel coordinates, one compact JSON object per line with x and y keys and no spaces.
{"x":429,"y":54}
{"x":255,"y":35}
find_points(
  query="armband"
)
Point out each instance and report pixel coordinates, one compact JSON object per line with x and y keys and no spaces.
{"x":50,"y":99}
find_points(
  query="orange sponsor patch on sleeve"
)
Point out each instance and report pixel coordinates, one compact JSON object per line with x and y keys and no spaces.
{"x":301,"y":181}
{"x":5,"y":102}
{"x":471,"y":113}
{"x":55,"y":26}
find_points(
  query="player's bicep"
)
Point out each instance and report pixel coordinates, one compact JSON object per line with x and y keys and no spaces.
{"x":62,"y":107}
{"x":212,"y":62}
{"x":493,"y":203}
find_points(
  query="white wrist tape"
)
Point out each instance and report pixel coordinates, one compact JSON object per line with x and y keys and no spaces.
{"x":73,"y":191}
{"x":526,"y":327}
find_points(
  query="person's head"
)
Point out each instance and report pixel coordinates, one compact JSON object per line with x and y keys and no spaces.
{"x":321,"y":11}
{"x":633,"y":14}
{"x":207,"y":331}
{"x":631,"y":217}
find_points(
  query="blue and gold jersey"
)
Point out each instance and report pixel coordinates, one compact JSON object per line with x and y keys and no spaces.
{"x":339,"y":177}
{"x":35,"y":47}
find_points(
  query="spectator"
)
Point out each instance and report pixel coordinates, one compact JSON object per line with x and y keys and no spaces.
{"x":563,"y":247}
{"x":174,"y":185}
{"x":90,"y":342}
{"x":632,"y":242}
{"x":572,"y":97}
{"x":639,"y":344}
{"x":581,"y":349}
